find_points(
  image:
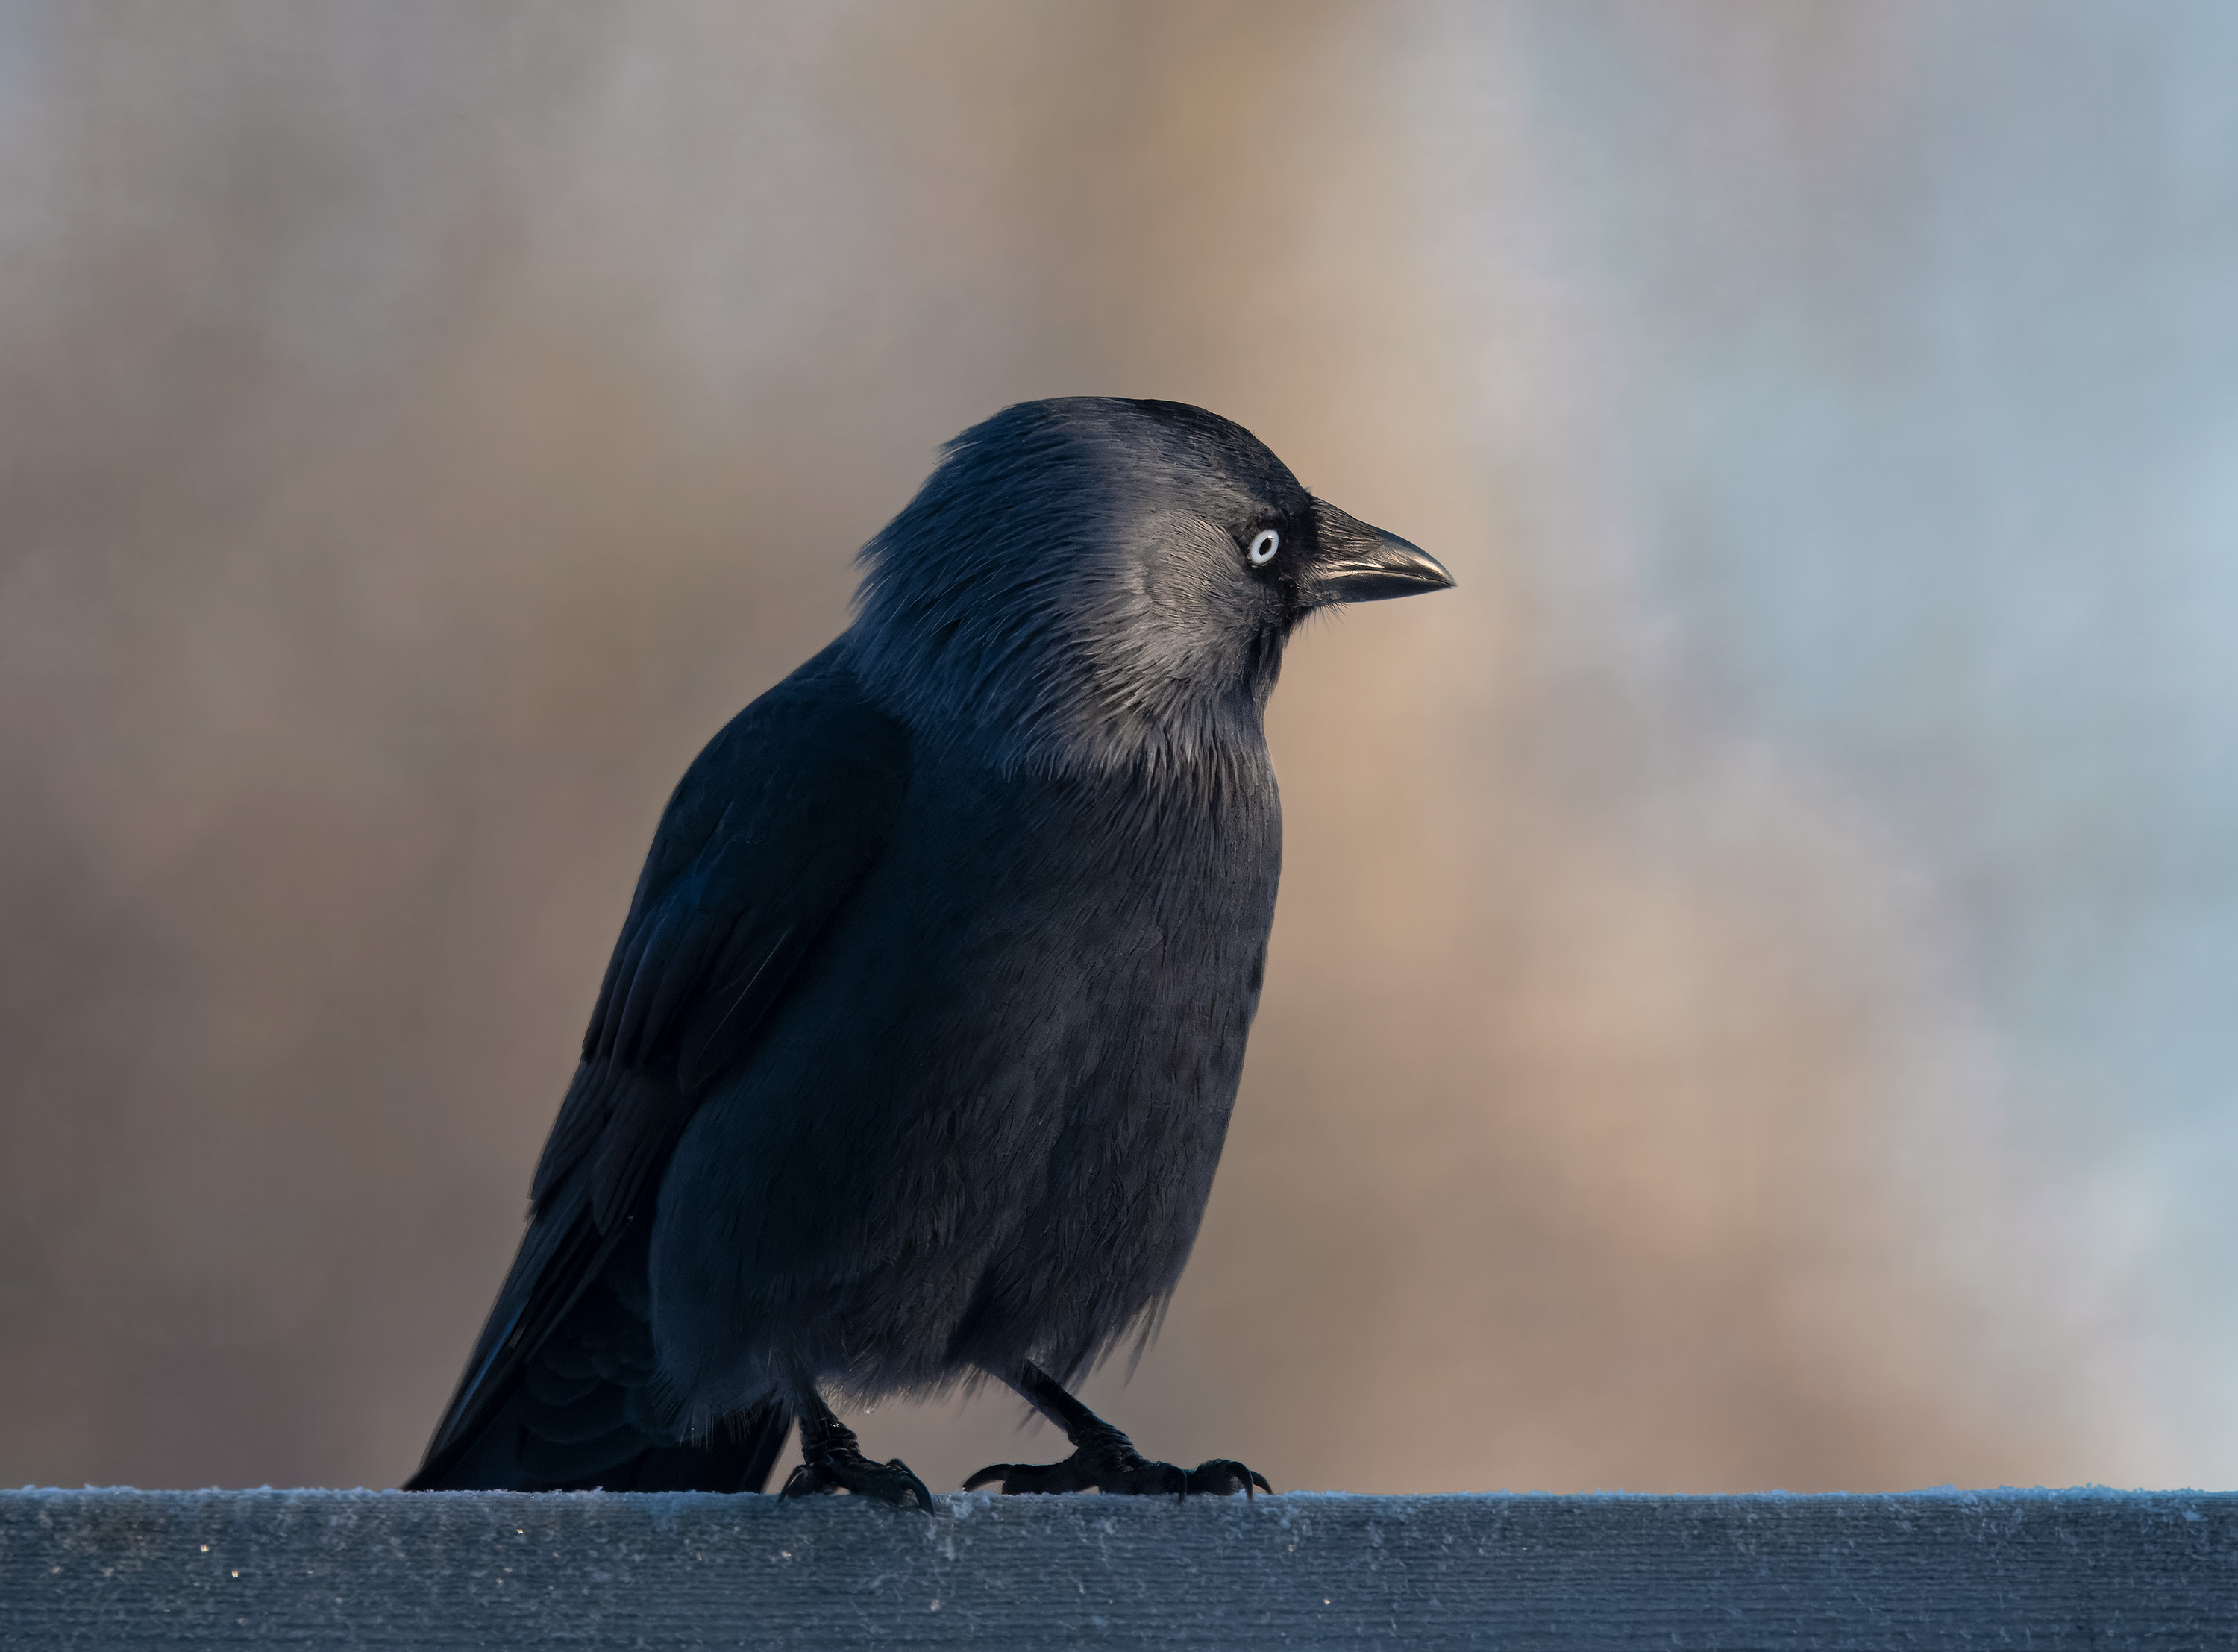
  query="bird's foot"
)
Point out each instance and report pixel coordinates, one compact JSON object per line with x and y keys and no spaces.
{"x":889,"y":1482}
{"x":832,"y":1460}
{"x":1107,"y":1462}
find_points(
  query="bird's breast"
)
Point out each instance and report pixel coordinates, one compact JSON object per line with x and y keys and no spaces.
{"x":1040,"y":982}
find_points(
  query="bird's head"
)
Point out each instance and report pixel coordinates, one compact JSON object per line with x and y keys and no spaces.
{"x":1093,"y":582}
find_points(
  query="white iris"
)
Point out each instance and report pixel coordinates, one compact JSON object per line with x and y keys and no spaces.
{"x":1264,"y":547}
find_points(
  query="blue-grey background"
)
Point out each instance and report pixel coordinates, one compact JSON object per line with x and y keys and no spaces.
{"x":1753,"y":997}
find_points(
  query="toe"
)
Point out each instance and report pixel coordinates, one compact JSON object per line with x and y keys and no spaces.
{"x":806,"y":1481}
{"x":906,"y":1484}
{"x":890,"y":1482}
{"x":1142,"y":1478}
{"x":1026,"y":1478}
{"x":1122,"y":1473}
{"x":1222,"y":1477}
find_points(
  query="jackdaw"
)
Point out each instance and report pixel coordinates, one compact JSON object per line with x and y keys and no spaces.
{"x":916,"y":1054}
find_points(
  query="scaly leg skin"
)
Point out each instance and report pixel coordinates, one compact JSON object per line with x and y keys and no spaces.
{"x":832,"y":1460}
{"x":1104,"y":1459}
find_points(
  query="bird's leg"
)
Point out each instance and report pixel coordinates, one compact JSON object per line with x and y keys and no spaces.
{"x":832,"y":1460}
{"x":1103,"y":1459}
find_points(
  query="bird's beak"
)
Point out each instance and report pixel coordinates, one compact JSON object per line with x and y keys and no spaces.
{"x":1361,"y":564}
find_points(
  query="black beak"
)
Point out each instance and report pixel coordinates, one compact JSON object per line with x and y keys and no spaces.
{"x":1361,"y":564}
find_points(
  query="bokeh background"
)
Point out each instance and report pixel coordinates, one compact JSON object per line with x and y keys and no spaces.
{"x":1753,"y":1003}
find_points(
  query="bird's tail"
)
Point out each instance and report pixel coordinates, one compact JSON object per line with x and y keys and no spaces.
{"x":573,"y":1410}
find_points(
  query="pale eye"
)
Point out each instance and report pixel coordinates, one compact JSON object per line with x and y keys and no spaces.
{"x":1264,"y":547}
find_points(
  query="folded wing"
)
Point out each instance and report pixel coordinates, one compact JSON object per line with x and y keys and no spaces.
{"x":767,"y":836}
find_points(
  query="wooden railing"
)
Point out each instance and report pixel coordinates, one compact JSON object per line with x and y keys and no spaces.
{"x":329,"y":1569}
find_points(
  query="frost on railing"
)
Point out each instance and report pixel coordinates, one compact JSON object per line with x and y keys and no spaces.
{"x":314,"y":1569}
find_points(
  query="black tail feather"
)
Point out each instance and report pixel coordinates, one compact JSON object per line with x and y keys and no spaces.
{"x":569,"y":1410}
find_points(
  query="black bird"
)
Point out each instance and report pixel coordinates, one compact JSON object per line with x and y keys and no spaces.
{"x":916,"y":1054}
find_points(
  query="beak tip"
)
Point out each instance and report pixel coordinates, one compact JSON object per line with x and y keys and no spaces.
{"x":1364,"y":564}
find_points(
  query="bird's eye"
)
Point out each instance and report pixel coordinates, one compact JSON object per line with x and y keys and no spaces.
{"x":1264,"y":547}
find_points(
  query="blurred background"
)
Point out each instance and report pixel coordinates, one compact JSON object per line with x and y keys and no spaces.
{"x":1753,"y":1003}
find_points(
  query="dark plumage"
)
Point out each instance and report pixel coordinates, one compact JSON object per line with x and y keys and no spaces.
{"x":916,"y":1051}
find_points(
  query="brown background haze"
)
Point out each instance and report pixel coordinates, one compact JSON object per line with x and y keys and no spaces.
{"x":1751,"y":1003}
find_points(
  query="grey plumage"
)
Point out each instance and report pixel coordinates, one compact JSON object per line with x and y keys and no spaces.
{"x":916,"y":1054}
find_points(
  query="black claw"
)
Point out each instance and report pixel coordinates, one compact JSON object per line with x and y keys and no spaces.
{"x":1103,"y":1458}
{"x":832,"y":1460}
{"x":1122,"y":1470}
{"x":918,"y":1488}
{"x":1222,"y":1477}
{"x":890,"y":1482}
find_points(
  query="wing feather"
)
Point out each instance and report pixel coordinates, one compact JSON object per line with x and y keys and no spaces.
{"x":770,"y":831}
